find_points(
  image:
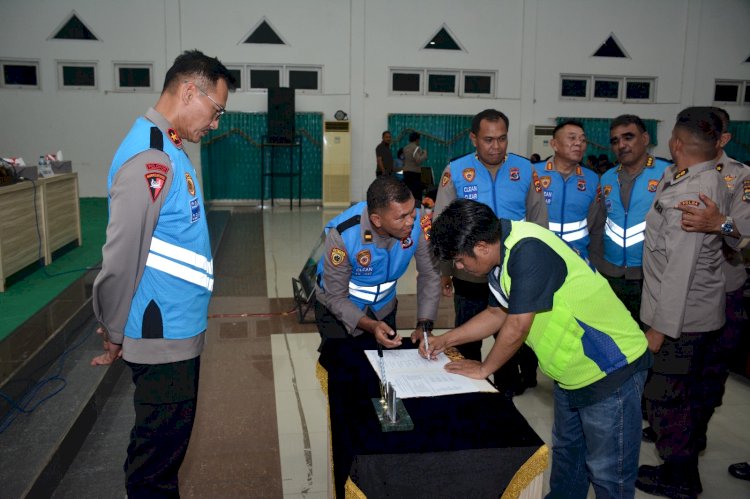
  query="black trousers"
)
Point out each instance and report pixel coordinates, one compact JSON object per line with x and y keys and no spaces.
{"x":413,"y":181}
{"x":331,"y":328}
{"x":165,"y":401}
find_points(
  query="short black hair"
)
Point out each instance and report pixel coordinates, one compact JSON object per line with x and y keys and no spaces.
{"x":414,"y":136}
{"x":462,"y":225}
{"x":194,"y":64}
{"x":385,"y":190}
{"x":565,"y":123}
{"x":702,"y":122}
{"x":724,"y":115}
{"x":628,"y":119}
{"x":489,"y":115}
{"x":382,"y":136}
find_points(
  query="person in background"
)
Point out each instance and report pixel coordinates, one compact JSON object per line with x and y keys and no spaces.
{"x":414,"y":156}
{"x":508,"y":184}
{"x":368,"y":248}
{"x":544,"y":294}
{"x":383,"y":156}
{"x":151,"y":296}
{"x":627,"y":193}
{"x":535,"y":158}
{"x":683,"y":304}
{"x":570,"y":191}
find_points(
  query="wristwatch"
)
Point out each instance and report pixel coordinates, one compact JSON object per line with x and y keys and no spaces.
{"x":727,"y":227}
{"x":425,"y":325}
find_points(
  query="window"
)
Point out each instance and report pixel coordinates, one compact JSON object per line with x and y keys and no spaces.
{"x":747,"y":92}
{"x":574,"y":88}
{"x":727,"y":91}
{"x":461,"y":83}
{"x":606,"y":89}
{"x":442,"y":41}
{"x":236,"y":72}
{"x":304,"y":79}
{"x":264,"y":33}
{"x":132,"y":77}
{"x":74,"y":29}
{"x":638,"y":90}
{"x":265,"y":78}
{"x":20,"y":74}
{"x":406,"y":83}
{"x":478,"y":84}
{"x":442,"y":83}
{"x":76,"y":75}
{"x":610,"y":48}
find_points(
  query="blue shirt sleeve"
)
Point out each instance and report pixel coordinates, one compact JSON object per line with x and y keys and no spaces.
{"x":536,"y":272}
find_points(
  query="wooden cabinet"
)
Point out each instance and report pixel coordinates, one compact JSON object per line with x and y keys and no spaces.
{"x":37,"y":218}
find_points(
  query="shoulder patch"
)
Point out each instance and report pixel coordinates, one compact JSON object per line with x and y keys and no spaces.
{"x":157,"y":166}
{"x":537,"y":182}
{"x":446,"y":178}
{"x":337,"y":256}
{"x":426,"y":223}
{"x":155,"y":182}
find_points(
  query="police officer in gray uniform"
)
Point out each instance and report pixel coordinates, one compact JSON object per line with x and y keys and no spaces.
{"x":683,"y":301}
{"x":151,"y":296}
{"x":367,"y":249}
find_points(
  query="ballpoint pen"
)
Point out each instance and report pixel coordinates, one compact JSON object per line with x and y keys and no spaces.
{"x":426,"y":328}
{"x":382,"y":374}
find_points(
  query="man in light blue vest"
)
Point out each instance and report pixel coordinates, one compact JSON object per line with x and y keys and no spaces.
{"x":628,"y":191}
{"x":367,"y":249}
{"x":151,"y":296}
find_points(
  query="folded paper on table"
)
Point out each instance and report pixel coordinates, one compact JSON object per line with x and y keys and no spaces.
{"x":413,"y":376}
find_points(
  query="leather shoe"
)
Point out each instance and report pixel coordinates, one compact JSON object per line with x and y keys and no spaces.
{"x":664,"y":481}
{"x":740,"y":470}
{"x":648,"y":435}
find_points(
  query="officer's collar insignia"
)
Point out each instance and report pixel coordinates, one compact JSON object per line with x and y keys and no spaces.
{"x":579,"y":171}
{"x":337,"y":256}
{"x":650,"y":161}
{"x":368,"y":235}
{"x":619,"y":168}
{"x":548,"y":166}
{"x":680,"y":174}
{"x":190,"y":184}
{"x":176,"y":140}
{"x":719,"y":167}
{"x":469,"y":174}
{"x":407,"y":243}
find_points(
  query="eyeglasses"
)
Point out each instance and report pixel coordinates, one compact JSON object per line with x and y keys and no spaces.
{"x":220,"y":110}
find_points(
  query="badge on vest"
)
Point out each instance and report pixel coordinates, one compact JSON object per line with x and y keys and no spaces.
{"x":607,"y":190}
{"x":155,"y":182}
{"x":746,"y":191}
{"x":581,"y":184}
{"x":652,"y":185}
{"x":190,"y":184}
{"x":546,"y":181}
{"x":195,"y":210}
{"x":515,"y":174}
{"x":729,"y":180}
{"x":337,"y":256}
{"x":364,"y":257}
{"x":469,"y":174}
{"x":406,"y":243}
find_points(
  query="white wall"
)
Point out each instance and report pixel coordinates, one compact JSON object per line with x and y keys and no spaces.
{"x":684,"y":44}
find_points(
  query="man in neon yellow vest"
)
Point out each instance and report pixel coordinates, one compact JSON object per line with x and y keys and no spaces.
{"x":584,"y":337}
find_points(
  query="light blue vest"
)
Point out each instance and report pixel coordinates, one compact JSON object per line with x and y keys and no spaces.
{"x":506,"y":194}
{"x":178,"y":277}
{"x":568,"y":203}
{"x":374,"y":270}
{"x":624,"y":230}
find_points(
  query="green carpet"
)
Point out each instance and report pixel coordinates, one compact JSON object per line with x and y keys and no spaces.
{"x":34,"y":287}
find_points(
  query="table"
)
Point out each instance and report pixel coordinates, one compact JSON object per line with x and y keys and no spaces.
{"x":37,"y":218}
{"x":272,"y":172}
{"x":469,"y":445}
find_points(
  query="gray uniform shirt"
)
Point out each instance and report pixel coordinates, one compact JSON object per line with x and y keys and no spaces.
{"x":536,"y":211}
{"x":133,"y":215}
{"x":736,"y":177}
{"x":335,"y":297}
{"x":683,"y":285}
{"x":414,"y":156}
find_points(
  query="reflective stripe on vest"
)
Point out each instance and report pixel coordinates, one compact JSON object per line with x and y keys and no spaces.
{"x":635,"y":234}
{"x":181,"y":263}
{"x":371,"y":294}
{"x":572,"y":231}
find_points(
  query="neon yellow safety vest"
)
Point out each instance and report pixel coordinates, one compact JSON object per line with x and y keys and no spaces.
{"x":588,"y":333}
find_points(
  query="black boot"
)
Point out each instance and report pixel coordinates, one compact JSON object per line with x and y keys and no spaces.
{"x":677,"y":481}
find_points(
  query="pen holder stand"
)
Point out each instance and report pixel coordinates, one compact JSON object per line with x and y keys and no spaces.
{"x":391,"y":411}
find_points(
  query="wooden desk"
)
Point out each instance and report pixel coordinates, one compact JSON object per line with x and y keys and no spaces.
{"x":470,"y":445}
{"x":36,"y":218}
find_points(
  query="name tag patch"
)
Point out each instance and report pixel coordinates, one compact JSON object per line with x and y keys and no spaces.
{"x":195,"y":210}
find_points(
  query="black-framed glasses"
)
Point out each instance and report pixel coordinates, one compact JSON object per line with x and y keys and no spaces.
{"x":220,"y":110}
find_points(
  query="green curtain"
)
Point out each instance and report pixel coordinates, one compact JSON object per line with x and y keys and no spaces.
{"x":597,"y":134}
{"x":231,"y":158}
{"x":444,"y":136}
{"x":739,"y":147}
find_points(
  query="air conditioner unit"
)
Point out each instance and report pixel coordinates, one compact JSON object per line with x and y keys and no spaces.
{"x":539,"y":140}
{"x":337,"y":163}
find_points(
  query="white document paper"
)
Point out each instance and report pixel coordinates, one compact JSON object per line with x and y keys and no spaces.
{"x":412,"y":376}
